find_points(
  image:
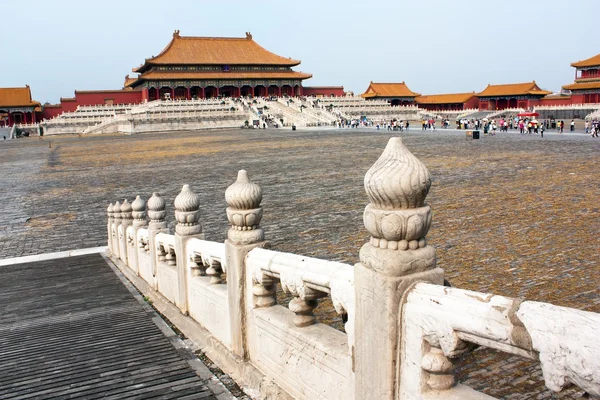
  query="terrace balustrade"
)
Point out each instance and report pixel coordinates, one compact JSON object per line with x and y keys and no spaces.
{"x":404,"y":330}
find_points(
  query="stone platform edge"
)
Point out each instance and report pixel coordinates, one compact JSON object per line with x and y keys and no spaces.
{"x":52,"y":256}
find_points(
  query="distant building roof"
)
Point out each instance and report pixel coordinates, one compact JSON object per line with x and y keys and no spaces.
{"x":17,"y":97}
{"x":189,"y":50}
{"x":513,"y":89}
{"x":450,"y":98}
{"x":590,"y":62}
{"x":583,"y":86}
{"x":388,"y":90}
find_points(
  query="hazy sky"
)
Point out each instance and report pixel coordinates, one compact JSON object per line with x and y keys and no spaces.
{"x":435,"y":46}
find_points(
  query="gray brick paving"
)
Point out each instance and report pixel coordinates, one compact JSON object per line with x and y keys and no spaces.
{"x":515,"y":215}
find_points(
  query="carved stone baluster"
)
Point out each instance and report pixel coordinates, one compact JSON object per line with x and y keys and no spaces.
{"x":303,"y":305}
{"x":171,"y":258}
{"x":264,"y":292}
{"x":197,"y":266}
{"x":161,"y":253}
{"x":215,"y":272}
{"x":440,"y":369}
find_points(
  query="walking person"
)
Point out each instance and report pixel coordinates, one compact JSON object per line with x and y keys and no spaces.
{"x":572,"y":125}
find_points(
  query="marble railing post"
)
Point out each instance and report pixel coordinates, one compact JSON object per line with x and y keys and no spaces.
{"x":244,"y":214}
{"x":138,"y":212}
{"x":396,"y":256}
{"x":109,"y":213}
{"x":126,"y":220}
{"x":187,"y":214}
{"x":157,"y":224}
{"x":115,"y":229}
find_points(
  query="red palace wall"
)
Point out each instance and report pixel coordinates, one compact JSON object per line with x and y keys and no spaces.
{"x":325,"y":91}
{"x":556,"y":101}
{"x":97,"y":97}
{"x":51,"y":111}
{"x":93,"y":98}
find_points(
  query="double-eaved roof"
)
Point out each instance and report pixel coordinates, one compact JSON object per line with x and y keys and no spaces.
{"x":388,"y":90}
{"x":184,"y":58}
{"x":191,"y":50}
{"x":513,"y":89}
{"x":17,"y":97}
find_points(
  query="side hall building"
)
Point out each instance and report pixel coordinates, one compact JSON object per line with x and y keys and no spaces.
{"x":515,"y":95}
{"x":17,"y":106}
{"x":206,"y":67}
{"x":394,"y":93}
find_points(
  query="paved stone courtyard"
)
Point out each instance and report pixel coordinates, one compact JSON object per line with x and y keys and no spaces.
{"x":515,"y":215}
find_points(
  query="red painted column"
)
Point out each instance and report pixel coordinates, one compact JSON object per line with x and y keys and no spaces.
{"x":172,"y":93}
{"x":189,"y":94}
{"x":279,"y":90}
{"x":300,"y":90}
{"x":33,"y":117}
{"x":202,"y":93}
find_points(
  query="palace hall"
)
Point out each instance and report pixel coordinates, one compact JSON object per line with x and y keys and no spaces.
{"x":586,"y":88}
{"x":206,"y":67}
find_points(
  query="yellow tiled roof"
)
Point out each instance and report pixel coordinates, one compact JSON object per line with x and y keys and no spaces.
{"x":450,"y":98}
{"x":224,"y":75}
{"x":17,"y":97}
{"x":388,"y":90}
{"x":590,"y":62}
{"x":216,"y":50}
{"x":583,"y":86}
{"x":514,"y":89}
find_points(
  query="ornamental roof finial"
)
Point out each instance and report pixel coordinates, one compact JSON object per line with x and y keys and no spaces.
{"x":248,"y":36}
{"x":176,"y":33}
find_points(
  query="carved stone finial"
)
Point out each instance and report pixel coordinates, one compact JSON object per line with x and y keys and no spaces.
{"x":109,"y":210}
{"x":156,"y":211}
{"x":187,"y":213}
{"x":126,"y":211}
{"x":397,"y":217}
{"x":244,"y":212}
{"x":117,"y":211}
{"x":138,"y":208}
{"x":397,"y":179}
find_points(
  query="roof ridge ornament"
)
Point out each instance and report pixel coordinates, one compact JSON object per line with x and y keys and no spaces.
{"x":248,"y":36}
{"x":176,"y":33}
